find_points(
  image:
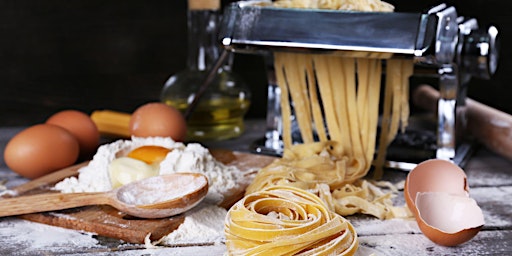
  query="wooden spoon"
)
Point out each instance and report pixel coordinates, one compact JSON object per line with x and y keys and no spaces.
{"x":156,"y":197}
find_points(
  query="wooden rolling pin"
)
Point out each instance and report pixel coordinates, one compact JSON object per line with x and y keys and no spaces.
{"x":489,"y":126}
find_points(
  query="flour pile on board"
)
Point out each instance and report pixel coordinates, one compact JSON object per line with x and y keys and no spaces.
{"x":203,"y":225}
{"x":195,"y":158}
{"x":95,"y":176}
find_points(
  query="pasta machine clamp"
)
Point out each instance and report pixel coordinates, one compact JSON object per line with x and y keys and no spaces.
{"x":438,"y":39}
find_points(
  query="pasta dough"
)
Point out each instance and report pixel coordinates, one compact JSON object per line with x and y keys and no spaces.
{"x":355,"y":5}
{"x":285,"y":220}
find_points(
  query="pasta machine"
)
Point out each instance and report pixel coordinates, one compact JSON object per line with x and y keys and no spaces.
{"x":443,"y":45}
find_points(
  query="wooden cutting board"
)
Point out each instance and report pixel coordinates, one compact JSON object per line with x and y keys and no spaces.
{"x":109,"y":222}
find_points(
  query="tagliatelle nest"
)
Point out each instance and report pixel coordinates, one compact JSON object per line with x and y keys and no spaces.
{"x":284,"y":220}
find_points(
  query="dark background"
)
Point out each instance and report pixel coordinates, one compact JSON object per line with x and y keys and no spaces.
{"x":92,"y":54}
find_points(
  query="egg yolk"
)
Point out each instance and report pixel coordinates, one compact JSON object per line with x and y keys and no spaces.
{"x":149,"y":154}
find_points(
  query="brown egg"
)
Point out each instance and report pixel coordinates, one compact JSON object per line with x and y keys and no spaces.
{"x":436,"y":191}
{"x":82,"y":127}
{"x":158,"y":120}
{"x":41,"y":149}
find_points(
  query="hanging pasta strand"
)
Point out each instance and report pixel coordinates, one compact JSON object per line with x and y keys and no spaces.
{"x":374,"y":71}
{"x":353,"y":120}
{"x":363,"y":83}
{"x":393,"y":110}
{"x":324,"y":80}
{"x":297,"y":85}
{"x":407,"y":71}
{"x":394,"y":80}
{"x":338,"y":87}
{"x":368,"y":93}
{"x":316,"y":109}
{"x":279,"y":64}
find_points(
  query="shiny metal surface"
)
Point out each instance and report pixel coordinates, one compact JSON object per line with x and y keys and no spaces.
{"x":252,"y":28}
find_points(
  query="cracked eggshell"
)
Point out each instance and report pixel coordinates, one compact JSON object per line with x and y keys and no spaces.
{"x":434,"y":175}
{"x":437,"y":193}
{"x":447,"y":219}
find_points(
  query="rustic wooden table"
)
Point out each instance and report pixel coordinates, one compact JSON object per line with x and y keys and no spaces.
{"x":489,"y":175}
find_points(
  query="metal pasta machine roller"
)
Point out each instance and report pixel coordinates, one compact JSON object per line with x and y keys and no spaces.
{"x":443,"y":45}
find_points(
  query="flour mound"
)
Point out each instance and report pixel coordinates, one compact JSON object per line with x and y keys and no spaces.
{"x":95,"y":176}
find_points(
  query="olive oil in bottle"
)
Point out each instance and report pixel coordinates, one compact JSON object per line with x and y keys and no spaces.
{"x":220,"y":112}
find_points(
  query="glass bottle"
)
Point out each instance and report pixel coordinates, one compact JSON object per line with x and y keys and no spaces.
{"x":220,"y":112}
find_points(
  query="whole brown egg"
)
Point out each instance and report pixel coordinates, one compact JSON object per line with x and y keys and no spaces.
{"x":158,"y":120}
{"x":40,"y":150}
{"x":82,"y":127}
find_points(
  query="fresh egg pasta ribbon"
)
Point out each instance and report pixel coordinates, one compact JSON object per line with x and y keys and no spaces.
{"x":284,"y":220}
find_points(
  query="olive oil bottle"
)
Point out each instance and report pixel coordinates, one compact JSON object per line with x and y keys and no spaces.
{"x":220,"y":112}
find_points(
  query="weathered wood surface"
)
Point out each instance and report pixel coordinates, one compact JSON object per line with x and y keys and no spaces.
{"x":489,"y":176}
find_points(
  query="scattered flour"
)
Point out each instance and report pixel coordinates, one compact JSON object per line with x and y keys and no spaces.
{"x":373,"y":227}
{"x":30,"y":236}
{"x":7,"y":192}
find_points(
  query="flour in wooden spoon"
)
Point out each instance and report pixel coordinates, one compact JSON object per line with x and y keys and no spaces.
{"x":153,"y":191}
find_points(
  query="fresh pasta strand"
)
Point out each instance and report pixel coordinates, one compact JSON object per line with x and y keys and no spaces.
{"x":338,"y":88}
{"x":285,"y":103}
{"x":313,"y":98}
{"x":297,"y":84}
{"x":394,"y":80}
{"x":363,"y":66}
{"x":375,"y":70}
{"x":323,"y":82}
{"x":356,"y":5}
{"x":386,"y":121}
{"x":395,"y":109}
{"x":407,"y":72}
{"x":354,"y":119}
